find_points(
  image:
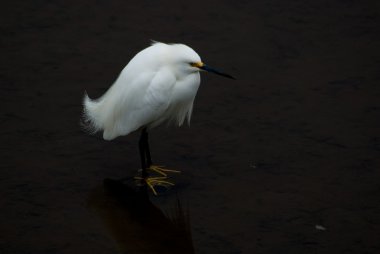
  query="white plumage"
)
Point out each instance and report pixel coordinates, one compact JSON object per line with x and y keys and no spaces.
{"x":158,"y":85}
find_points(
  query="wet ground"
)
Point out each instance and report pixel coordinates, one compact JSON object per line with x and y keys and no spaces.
{"x":283,"y":160}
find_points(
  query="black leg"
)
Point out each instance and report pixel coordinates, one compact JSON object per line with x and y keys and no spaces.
{"x":142,"y":148}
{"x":147,"y":150}
{"x":146,"y":162}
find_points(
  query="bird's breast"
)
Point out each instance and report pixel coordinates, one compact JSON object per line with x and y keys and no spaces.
{"x":185,"y":89}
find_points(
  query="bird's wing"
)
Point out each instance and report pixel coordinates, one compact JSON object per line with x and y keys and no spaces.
{"x":144,"y":100}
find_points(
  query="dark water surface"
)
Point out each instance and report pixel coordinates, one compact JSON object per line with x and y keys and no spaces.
{"x":283,"y":160}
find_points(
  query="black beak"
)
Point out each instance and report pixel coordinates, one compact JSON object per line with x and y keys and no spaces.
{"x":209,"y":69}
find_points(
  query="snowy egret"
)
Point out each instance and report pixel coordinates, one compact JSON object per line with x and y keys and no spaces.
{"x":158,"y":85}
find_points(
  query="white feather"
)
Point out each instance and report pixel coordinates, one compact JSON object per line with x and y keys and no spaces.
{"x":150,"y":90}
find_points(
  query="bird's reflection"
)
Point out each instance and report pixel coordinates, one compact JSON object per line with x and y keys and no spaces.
{"x":136,"y":224}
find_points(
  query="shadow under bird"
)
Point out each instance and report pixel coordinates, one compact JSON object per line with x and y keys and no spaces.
{"x":139,"y":226}
{"x":157,"y":86}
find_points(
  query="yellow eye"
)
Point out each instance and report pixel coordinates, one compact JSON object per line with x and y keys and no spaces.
{"x":197,"y":64}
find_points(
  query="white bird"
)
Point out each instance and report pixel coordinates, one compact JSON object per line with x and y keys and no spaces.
{"x":158,"y":85}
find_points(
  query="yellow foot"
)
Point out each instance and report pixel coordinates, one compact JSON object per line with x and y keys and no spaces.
{"x":161,"y":170}
{"x":155,"y":181}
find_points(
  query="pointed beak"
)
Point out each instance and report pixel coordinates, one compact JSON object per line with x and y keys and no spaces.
{"x":207,"y":68}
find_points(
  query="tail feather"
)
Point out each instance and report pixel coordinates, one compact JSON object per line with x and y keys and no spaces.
{"x":90,"y":119}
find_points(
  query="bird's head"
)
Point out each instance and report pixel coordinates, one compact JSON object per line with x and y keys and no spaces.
{"x":187,"y":61}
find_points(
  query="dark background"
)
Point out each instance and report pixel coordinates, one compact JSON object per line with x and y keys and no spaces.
{"x":293,"y":143}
